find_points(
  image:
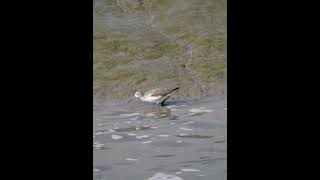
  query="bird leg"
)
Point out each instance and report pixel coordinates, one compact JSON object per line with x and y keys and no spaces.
{"x":162,"y":103}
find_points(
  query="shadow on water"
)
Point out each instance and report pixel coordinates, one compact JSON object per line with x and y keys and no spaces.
{"x":177,"y":102}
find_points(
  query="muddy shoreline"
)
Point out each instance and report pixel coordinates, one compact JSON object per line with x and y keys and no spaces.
{"x":153,"y":43}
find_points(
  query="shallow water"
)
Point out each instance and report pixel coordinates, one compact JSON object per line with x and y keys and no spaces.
{"x":183,"y":140}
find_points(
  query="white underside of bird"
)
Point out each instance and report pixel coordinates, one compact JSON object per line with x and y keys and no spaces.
{"x":155,"y":95}
{"x":152,"y":98}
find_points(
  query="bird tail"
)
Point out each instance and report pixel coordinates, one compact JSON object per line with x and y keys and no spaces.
{"x":173,"y":90}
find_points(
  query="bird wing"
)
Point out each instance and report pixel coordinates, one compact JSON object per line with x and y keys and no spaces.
{"x":157,"y":92}
{"x":160,"y":92}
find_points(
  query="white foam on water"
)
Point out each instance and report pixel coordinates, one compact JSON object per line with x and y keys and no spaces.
{"x":195,"y":110}
{"x":149,"y":114}
{"x":128,"y":115}
{"x":97,"y":145}
{"x":200,"y":110}
{"x":131,"y":134}
{"x":179,"y":172}
{"x":179,"y":141}
{"x":172,"y":123}
{"x":139,"y":122}
{"x":172,"y":106}
{"x":146,"y":142}
{"x":182,"y":134}
{"x":163,"y":135}
{"x":116,"y":137}
{"x":190,"y":170}
{"x":131,"y":159}
{"x":163,"y":176}
{"x":142,"y":136}
{"x":111,"y":130}
{"x":185,"y":129}
{"x":133,"y":119}
{"x":128,"y":122}
{"x":153,"y":127}
{"x":188,"y":123}
{"x":96,"y":170}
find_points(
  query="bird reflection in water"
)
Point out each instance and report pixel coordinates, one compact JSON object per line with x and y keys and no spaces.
{"x":157,"y":112}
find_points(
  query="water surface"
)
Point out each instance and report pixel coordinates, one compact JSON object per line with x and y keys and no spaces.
{"x":137,"y":141}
